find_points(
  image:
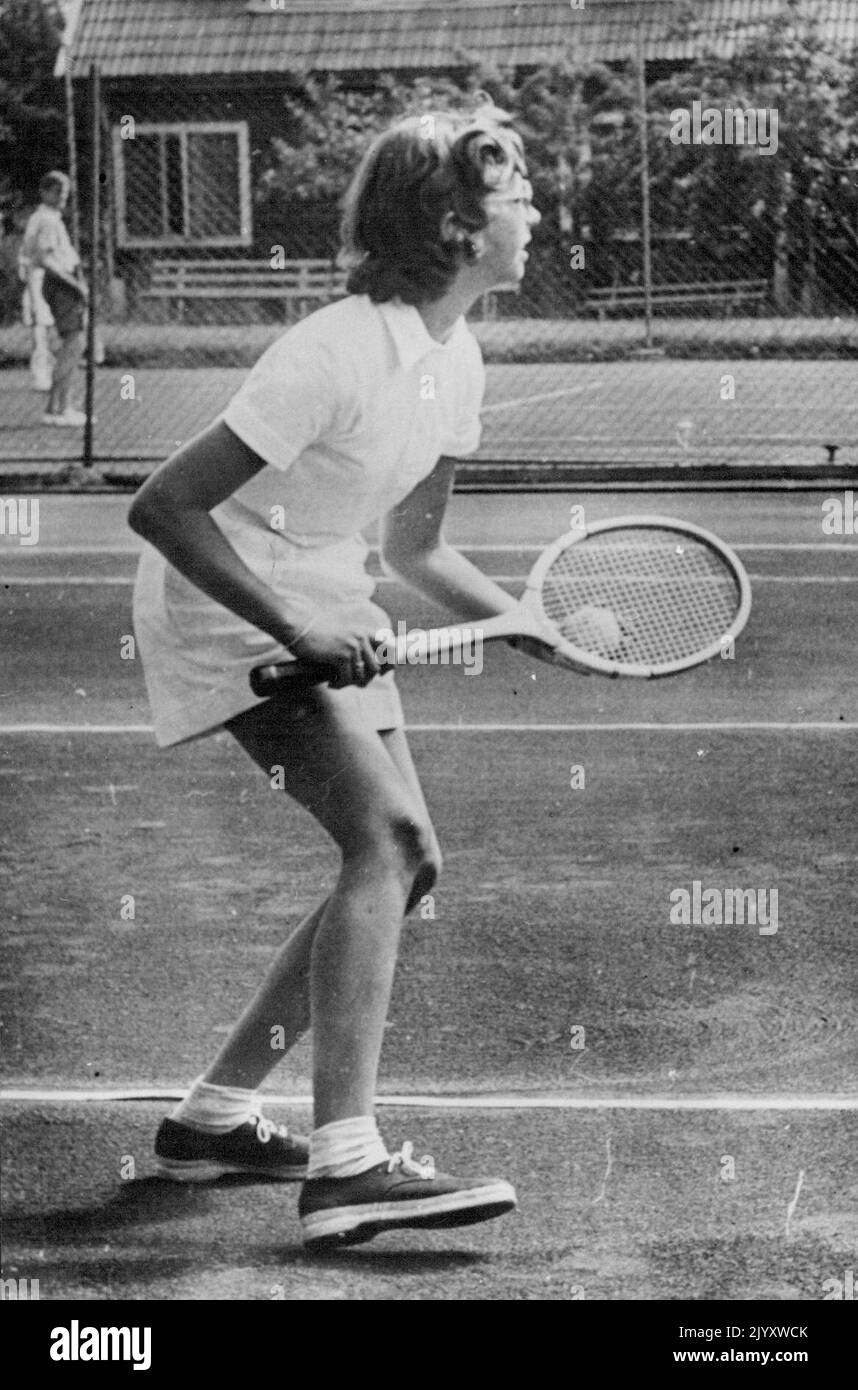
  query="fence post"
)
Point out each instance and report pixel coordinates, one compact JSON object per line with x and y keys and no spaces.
{"x":71,"y":141}
{"x":95,"y":189}
{"x":645,"y":221}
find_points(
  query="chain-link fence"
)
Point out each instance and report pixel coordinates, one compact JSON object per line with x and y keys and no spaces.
{"x":691,"y":297}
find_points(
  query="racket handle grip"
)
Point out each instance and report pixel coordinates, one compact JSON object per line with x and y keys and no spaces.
{"x":282,"y":676}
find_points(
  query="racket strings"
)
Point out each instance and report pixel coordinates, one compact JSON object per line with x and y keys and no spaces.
{"x":671,"y":595}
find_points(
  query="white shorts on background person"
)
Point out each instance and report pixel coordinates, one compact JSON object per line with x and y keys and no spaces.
{"x":35,"y":312}
{"x":350,"y":409}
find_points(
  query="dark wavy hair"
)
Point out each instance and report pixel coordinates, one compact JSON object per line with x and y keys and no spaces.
{"x":413,"y":174}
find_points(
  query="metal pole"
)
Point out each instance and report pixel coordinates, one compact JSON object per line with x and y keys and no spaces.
{"x":645,"y":225}
{"x":95,"y":119}
{"x":109,"y":257}
{"x":74,"y":205}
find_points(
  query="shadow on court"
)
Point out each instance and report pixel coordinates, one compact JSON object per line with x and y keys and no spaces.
{"x":613,"y":1206}
{"x":546,"y":964}
{"x":546,"y":959}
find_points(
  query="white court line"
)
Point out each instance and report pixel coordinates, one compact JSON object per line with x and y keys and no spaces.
{"x":67,"y":582}
{"x":501,"y":1101}
{"x":543,"y":396}
{"x":517,"y":578}
{"x":477,"y":547}
{"x":798,"y":545}
{"x":71,"y":549}
{"x":76,"y":729}
{"x":761,"y":727}
{"x":529,"y":548}
{"x":804,"y":579}
{"x":818,"y":726}
{"x":123,"y":581}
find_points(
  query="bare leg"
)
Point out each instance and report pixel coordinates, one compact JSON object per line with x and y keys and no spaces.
{"x":41,"y":359}
{"x":365,"y":792}
{"x":65,"y":365}
{"x":283,"y":1000}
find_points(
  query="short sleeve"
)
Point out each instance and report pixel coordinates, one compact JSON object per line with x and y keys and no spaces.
{"x":464,"y":437}
{"x":47,"y":241}
{"x":291,"y":398}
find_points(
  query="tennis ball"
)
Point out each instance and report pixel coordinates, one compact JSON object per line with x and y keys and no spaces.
{"x":596,"y":629}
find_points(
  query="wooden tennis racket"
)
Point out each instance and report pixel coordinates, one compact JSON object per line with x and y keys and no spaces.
{"x":640,"y":596}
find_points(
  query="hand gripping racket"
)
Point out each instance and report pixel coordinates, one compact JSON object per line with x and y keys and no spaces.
{"x":637,"y":596}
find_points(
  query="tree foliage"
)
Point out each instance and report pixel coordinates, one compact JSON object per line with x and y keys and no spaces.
{"x":31,"y":120}
{"x":796,"y":208}
{"x":719,"y":211}
{"x":326,"y":131}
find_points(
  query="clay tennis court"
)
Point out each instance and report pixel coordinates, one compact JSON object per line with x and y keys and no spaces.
{"x":644,"y":414}
{"x":700,"y":1044}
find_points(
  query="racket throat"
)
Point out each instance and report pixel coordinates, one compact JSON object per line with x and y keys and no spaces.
{"x":456,"y":642}
{"x":420,"y":646}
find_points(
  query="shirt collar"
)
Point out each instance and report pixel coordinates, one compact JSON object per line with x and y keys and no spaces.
{"x":410,"y":335}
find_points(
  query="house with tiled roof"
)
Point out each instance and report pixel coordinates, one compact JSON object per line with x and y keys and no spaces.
{"x":248,"y":39}
{"x":199,"y":84}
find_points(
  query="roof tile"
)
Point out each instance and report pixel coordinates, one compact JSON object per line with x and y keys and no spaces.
{"x":197,"y":38}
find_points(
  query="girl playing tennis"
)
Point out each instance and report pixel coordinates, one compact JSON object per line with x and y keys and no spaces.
{"x":355,"y":415}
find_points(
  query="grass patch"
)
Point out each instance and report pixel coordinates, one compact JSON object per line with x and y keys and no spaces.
{"x":129,"y":345}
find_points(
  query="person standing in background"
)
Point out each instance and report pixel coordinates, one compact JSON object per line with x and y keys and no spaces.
{"x":47,"y":248}
{"x":36,"y":316}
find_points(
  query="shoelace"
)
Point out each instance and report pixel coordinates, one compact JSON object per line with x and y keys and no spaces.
{"x":266,"y":1129}
{"x":422,"y":1168}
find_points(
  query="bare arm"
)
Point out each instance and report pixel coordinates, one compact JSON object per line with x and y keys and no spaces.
{"x":172,"y":512}
{"x":413,"y":547}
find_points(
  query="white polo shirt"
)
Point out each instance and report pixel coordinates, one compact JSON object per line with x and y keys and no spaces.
{"x":350,"y":409}
{"x":46,"y":234}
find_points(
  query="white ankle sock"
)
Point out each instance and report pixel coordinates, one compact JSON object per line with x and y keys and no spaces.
{"x":216,"y":1109}
{"x":346,"y":1147}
